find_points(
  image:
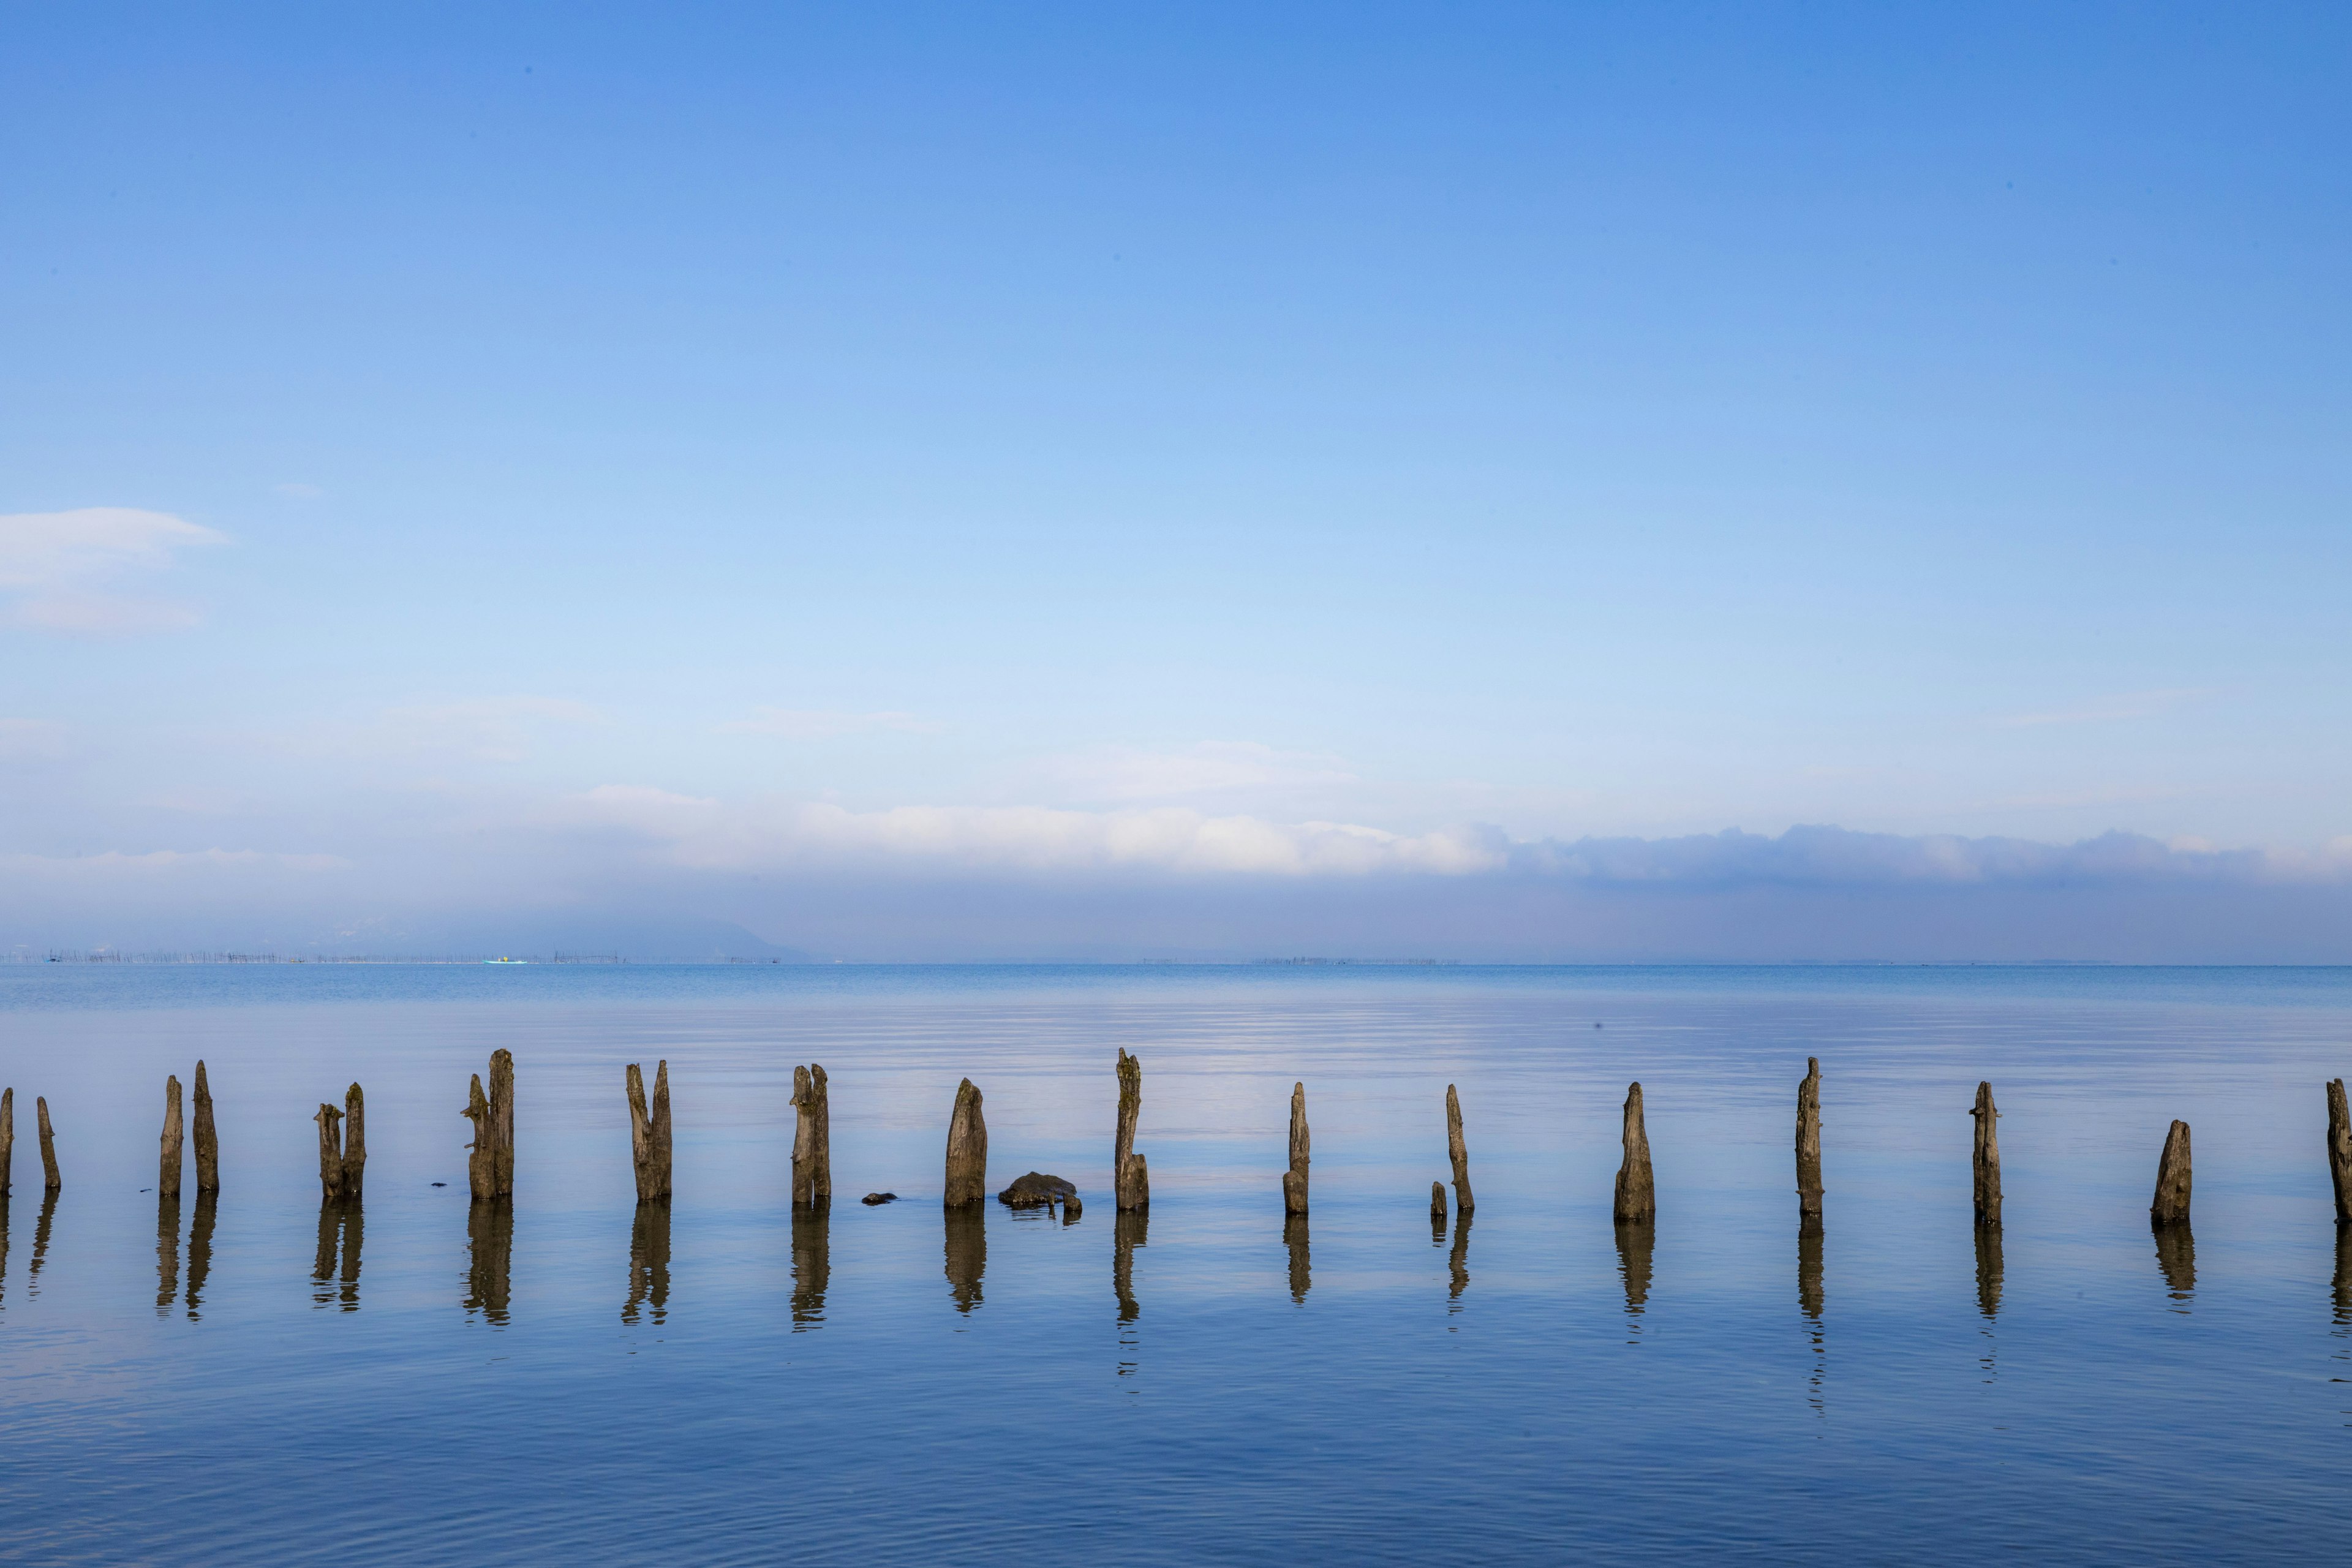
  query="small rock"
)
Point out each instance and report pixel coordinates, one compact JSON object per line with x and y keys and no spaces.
{"x":440,"y":1183}
{"x":879,"y":1198}
{"x":1036,"y":1191}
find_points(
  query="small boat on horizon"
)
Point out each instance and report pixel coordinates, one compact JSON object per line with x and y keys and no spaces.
{"x":506,"y":961}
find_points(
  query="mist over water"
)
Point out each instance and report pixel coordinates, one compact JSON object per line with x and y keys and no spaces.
{"x":262,"y":1375}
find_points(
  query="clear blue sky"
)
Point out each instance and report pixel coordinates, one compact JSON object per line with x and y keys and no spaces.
{"x":1057,"y":453}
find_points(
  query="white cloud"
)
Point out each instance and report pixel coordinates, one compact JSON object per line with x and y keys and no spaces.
{"x":61,"y":568}
{"x":822,"y":724}
{"x":1207,"y":768}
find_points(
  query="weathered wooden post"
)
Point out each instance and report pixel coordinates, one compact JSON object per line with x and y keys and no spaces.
{"x":481,"y":1159}
{"x":207,"y":1146}
{"x":7,"y":1137}
{"x":1809,"y":1139}
{"x":1294,"y":1181}
{"x":167,"y":1175}
{"x":812,"y":1132}
{"x":967,"y":1164}
{"x":51,"y":1180}
{"x":1130,"y":1181}
{"x":502,"y":1120}
{"x":1637,"y":1194}
{"x":2339,"y":1151}
{"x":649,"y":1136}
{"x":2173,"y":1179}
{"x":354,"y":1143}
{"x":330,"y":1153}
{"x":1437,"y":1204}
{"x":1460,"y":1152}
{"x":1988,"y":1158}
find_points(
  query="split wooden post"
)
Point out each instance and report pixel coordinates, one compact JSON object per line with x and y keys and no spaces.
{"x":503,"y":1121}
{"x":1294,"y":1181}
{"x":1988,"y":1158}
{"x":1130,"y":1180}
{"x":2339,"y":1152}
{"x":1637,"y":1193}
{"x":355,"y":1142}
{"x":330,"y":1152}
{"x":481,"y":1162}
{"x":649,"y":1139}
{"x":207,"y":1140}
{"x":2172,"y":1180}
{"x":967,"y":1164}
{"x":7,"y":1137}
{"x":1460,"y":1152}
{"x":167,"y":1175}
{"x":52,"y":1182}
{"x":1809,"y":1139}
{"x":811,"y":1132}
{"x":821,"y":1150}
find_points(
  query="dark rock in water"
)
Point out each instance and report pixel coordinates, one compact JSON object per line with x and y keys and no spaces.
{"x":879,"y":1198}
{"x":440,"y":1183}
{"x":1035,"y":1191}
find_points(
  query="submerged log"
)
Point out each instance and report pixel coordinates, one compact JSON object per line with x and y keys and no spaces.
{"x":1460,"y":1153}
{"x":7,"y":1137}
{"x":167,"y":1175}
{"x":649,"y":1133}
{"x":355,"y":1142}
{"x":1987,"y":1159}
{"x":1637,"y":1194}
{"x":967,"y":1163}
{"x":51,"y":1181}
{"x":481,"y":1162}
{"x":1130,"y":1181}
{"x":330,"y":1152}
{"x":1294,"y":1181}
{"x":2339,"y":1152}
{"x":1809,"y":1139}
{"x":2173,"y":1179}
{"x":503,"y":1121}
{"x":207,"y":1145}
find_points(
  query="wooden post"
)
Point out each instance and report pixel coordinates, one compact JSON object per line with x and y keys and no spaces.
{"x":330,"y":1152}
{"x":1809,"y":1139}
{"x":2339,"y":1152}
{"x":821,"y":1146}
{"x":167,"y":1176}
{"x":502,"y":1123}
{"x":1988,"y":1158}
{"x":7,"y":1137}
{"x":355,"y":1142}
{"x":481,"y":1163}
{"x":1460,"y":1152}
{"x":1294,"y":1181}
{"x":1637,"y":1194}
{"x":1437,"y":1203}
{"x":51,"y":1180}
{"x":1129,"y":1179}
{"x":2173,"y":1179}
{"x":803,"y":1139}
{"x":649,"y":1139}
{"x":207,"y":1145}
{"x":967,"y":1167}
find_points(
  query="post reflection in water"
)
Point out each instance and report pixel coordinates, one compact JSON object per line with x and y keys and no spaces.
{"x":1129,"y":1228}
{"x":1460,"y":1263}
{"x":3,"y":1246}
{"x":1636,"y":1243}
{"x":342,"y":1226}
{"x":2175,"y":1254}
{"x":489,"y":1243}
{"x":1302,"y":1268}
{"x":649,"y":1263}
{"x":199,"y":1249}
{"x":1988,"y":1291}
{"x":967,"y":1253}
{"x":1810,"y":1301}
{"x":812,"y":1265}
{"x":2341,"y":1332}
{"x":167,"y":1252}
{"x":41,"y":1241}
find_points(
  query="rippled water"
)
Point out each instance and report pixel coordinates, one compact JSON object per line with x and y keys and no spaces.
{"x":572,"y":1380}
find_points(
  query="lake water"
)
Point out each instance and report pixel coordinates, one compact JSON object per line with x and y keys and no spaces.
{"x":234,"y":1381}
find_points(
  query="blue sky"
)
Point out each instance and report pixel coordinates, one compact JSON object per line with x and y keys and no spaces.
{"x":994,"y":481}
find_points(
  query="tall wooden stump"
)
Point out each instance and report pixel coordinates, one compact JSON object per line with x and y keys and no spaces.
{"x":1130,"y":1181}
{"x":2173,"y":1179}
{"x":967,"y":1252}
{"x":1988,"y":1158}
{"x":330,"y":1153}
{"x":649,"y":1139}
{"x":167,"y":1175}
{"x":967,"y":1166}
{"x":354,"y":1143}
{"x":812,"y":1132}
{"x":2339,"y":1152}
{"x":207,"y":1145}
{"x":51,"y":1181}
{"x":7,"y":1138}
{"x":503,"y":1121}
{"x":1459,"y":1151}
{"x":1809,"y":1139}
{"x":1637,"y":1194}
{"x":1294,"y":1181}
{"x":1437,"y":1205}
{"x":481,"y":1159}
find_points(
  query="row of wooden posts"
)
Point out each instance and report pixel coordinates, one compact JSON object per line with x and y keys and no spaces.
{"x":491,"y":1164}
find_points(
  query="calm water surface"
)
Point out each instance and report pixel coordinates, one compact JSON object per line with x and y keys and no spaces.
{"x":248,"y":1381}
